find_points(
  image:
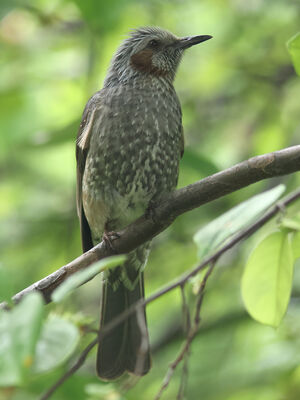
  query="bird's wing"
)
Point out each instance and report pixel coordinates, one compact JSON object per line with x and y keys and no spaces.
{"x":82,"y":148}
{"x":182,"y":142}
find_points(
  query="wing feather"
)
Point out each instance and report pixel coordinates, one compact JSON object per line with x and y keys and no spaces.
{"x":182,"y":142}
{"x":82,"y":149}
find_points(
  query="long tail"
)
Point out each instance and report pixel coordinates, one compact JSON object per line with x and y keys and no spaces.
{"x":125,"y":347}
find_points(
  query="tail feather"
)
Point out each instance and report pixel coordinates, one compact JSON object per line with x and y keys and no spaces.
{"x":110,"y":359}
{"x":138,"y":360}
{"x":125,"y":347}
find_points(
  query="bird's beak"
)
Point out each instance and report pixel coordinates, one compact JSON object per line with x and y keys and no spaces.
{"x":186,"y":42}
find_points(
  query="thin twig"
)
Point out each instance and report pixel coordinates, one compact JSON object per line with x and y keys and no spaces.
{"x":190,"y":336}
{"x":143,"y":349}
{"x":184,"y":376}
{"x":200,"y":296}
{"x":185,"y":311}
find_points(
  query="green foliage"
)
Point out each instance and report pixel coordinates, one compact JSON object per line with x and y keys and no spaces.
{"x":58,"y":340}
{"x":294,"y":48}
{"x":296,"y":244}
{"x":30,"y":345}
{"x":209,"y":238}
{"x":267,"y":279}
{"x":19,"y":333}
{"x":240,"y":97}
{"x":91,"y":9}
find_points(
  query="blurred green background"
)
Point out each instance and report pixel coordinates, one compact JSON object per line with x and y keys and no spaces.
{"x":240,"y":98}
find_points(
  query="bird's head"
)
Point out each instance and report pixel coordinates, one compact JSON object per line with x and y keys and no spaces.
{"x":149,"y":51}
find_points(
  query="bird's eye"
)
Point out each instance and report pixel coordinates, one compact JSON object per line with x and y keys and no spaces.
{"x":153,"y":43}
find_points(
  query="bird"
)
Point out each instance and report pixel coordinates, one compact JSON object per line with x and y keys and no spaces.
{"x":128,"y":148}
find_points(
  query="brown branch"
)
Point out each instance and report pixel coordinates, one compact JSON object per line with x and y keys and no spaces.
{"x":180,"y":282}
{"x":269,"y":165}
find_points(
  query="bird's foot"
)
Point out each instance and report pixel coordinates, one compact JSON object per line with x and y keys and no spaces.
{"x":109,"y":237}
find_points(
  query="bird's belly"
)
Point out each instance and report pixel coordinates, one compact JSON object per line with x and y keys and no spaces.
{"x":118,"y":189}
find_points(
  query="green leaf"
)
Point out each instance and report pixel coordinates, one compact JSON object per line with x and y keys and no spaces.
{"x":267,"y":279}
{"x":81,"y":277}
{"x":57,"y":343}
{"x":296,"y":245}
{"x":293,"y":46}
{"x":19,"y":332}
{"x":291,"y":223}
{"x":209,"y":238}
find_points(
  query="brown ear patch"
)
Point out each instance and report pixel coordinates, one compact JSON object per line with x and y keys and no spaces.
{"x":142,"y":61}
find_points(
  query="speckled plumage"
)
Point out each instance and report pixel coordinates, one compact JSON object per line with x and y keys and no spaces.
{"x":128,"y":149}
{"x":135,"y":155}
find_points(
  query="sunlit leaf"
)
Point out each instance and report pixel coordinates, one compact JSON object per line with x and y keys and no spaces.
{"x":292,"y":224}
{"x":212,"y":236}
{"x":296,"y":244}
{"x":82,"y":276}
{"x":293,"y":46}
{"x":19,"y":332}
{"x":267,"y":279}
{"x":58,"y":340}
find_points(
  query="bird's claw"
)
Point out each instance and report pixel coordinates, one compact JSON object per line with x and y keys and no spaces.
{"x":109,"y":237}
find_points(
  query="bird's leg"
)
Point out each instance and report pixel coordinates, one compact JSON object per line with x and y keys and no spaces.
{"x":109,"y":237}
